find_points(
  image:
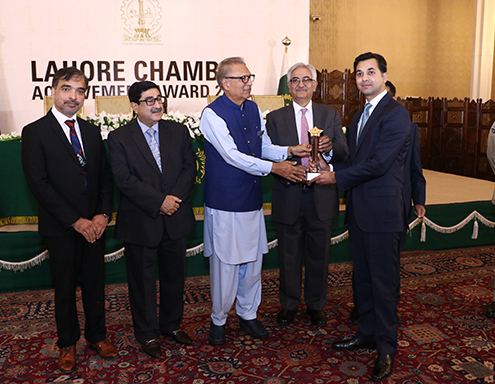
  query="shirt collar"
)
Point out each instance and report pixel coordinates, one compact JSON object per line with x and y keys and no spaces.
{"x":61,"y":118}
{"x":297,"y":107}
{"x":144,"y":127}
{"x":374,"y":102}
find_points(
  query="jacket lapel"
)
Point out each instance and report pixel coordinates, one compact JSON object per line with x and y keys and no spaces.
{"x":290,"y":122}
{"x":59,"y":132}
{"x":373,"y":119}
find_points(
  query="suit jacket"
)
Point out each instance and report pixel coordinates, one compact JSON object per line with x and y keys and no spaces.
{"x":374,"y":176}
{"x":415,"y":183}
{"x":144,"y":188}
{"x":286,"y":196}
{"x":56,"y":178}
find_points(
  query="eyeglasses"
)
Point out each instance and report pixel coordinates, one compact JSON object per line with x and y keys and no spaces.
{"x":244,"y":79}
{"x":151,"y":101}
{"x":297,"y":80}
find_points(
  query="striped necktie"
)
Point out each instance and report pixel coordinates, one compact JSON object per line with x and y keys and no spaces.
{"x":76,"y":145}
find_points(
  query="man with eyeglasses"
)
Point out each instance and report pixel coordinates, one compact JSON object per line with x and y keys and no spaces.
{"x":66,"y":168}
{"x":155,"y":169}
{"x":236,"y":145}
{"x":303,"y":213}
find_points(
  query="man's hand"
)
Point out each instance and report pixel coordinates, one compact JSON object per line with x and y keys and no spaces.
{"x":100,"y":222}
{"x":320,"y":162}
{"x":420,"y":211}
{"x":302,"y":150}
{"x":170,"y":205}
{"x":290,"y":170}
{"x":86,"y":228}
{"x":325,"y":177}
{"x":325,"y":144}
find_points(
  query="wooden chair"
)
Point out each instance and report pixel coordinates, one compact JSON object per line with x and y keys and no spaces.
{"x":268,"y":103}
{"x":212,"y":98}
{"x":113,"y":104}
{"x":48,"y":104}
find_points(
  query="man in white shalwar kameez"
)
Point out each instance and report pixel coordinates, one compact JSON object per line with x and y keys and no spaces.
{"x":234,"y":227}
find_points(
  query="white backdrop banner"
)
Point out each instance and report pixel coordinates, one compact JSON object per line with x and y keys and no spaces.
{"x":176,"y":44}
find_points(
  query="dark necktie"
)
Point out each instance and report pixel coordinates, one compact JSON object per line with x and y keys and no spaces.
{"x":76,"y":145}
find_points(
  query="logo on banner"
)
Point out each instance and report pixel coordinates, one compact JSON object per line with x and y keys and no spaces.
{"x":142,"y":21}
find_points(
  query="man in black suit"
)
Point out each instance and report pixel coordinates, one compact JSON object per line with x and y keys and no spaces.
{"x":155,"y":169}
{"x":379,"y":139}
{"x":304,"y":213}
{"x":66,"y":168}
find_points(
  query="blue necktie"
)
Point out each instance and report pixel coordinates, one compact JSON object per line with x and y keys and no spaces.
{"x":366,"y":115}
{"x":76,"y":145}
{"x":155,"y":150}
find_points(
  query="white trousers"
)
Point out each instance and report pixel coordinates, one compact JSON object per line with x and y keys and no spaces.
{"x":229,"y":282}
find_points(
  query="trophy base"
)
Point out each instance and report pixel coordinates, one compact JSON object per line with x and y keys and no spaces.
{"x":311,"y":175}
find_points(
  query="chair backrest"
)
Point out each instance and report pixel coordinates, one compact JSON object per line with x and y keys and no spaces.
{"x":268,"y":103}
{"x":212,"y":98}
{"x":48,"y":104}
{"x":113,"y":104}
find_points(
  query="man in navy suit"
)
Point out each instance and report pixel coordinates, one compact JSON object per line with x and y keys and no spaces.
{"x":66,"y":168}
{"x":379,"y":139}
{"x":154,"y":168}
{"x":415,"y":188}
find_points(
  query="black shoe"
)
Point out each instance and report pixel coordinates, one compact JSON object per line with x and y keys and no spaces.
{"x":217,"y":334}
{"x":353,"y":345}
{"x":180,"y":337}
{"x":318,"y":317}
{"x":383,"y":367}
{"x":255,"y":328}
{"x":286,"y":316}
{"x":354,"y":317}
{"x":152,"y":348}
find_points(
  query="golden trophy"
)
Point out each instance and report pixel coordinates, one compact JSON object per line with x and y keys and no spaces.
{"x":314,"y":140}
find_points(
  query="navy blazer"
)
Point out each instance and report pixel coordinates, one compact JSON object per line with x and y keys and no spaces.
{"x":56,"y":178}
{"x":374,"y":176}
{"x":286,"y":196}
{"x":143,"y":187}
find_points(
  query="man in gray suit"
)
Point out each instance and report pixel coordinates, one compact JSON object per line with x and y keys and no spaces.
{"x":304,"y":213}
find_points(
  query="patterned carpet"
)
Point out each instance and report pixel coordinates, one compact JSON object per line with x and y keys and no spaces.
{"x":444,"y":337}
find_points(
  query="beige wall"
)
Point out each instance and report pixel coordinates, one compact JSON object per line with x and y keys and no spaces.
{"x":427,"y":43}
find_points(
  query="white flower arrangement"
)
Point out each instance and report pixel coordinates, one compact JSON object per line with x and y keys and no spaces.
{"x":108,"y":122}
{"x":190,"y":121}
{"x":12,"y":136}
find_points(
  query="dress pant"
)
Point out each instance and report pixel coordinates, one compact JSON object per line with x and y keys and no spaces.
{"x":170,"y":257}
{"x":307,"y":242}
{"x":376,"y":260}
{"x":74,"y":261}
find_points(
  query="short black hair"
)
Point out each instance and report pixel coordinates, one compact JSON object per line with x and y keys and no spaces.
{"x":137,"y":89}
{"x":67,"y":74}
{"x":382,"y":63}
{"x":391,"y":87}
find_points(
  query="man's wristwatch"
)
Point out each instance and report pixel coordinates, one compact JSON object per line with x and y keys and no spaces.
{"x":291,"y":154}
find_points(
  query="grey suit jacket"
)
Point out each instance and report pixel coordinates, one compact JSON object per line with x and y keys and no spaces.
{"x":286,"y":196}
{"x":144,"y":188}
